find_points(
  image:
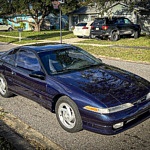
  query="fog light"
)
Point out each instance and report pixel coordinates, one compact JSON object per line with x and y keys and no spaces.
{"x":118,"y":125}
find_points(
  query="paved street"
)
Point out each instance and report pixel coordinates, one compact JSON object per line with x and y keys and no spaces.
{"x":137,"y":138}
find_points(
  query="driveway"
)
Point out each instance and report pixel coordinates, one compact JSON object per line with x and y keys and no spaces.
{"x":45,"y":122}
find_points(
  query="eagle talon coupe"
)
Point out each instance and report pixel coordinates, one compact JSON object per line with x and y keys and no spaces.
{"x":84,"y":92}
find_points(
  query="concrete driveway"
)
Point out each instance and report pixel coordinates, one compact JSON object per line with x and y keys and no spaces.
{"x":45,"y":122}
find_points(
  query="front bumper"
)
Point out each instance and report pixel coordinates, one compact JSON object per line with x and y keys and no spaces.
{"x":103,"y":124}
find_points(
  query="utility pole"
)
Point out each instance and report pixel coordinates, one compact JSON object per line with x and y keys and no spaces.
{"x":57,"y":5}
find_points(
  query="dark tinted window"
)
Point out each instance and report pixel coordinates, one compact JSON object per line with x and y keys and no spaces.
{"x":127,"y":21}
{"x":98,"y":22}
{"x":27,"y":60}
{"x":81,"y":24}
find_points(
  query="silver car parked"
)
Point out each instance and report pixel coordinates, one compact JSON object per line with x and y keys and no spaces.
{"x":4,"y":27}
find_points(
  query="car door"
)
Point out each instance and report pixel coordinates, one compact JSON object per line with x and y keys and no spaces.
{"x":124,"y":25}
{"x":129,"y":26}
{"x":24,"y":84}
{"x":1,"y":26}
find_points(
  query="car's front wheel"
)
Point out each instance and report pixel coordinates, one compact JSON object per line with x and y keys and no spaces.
{"x":3,"y":88}
{"x":92,"y":36}
{"x":68,"y":115}
{"x":136,"y":34}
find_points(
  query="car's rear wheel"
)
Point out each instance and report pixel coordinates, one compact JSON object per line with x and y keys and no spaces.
{"x":4,"y":88}
{"x":10,"y":29}
{"x":80,"y":36}
{"x":114,"y":36}
{"x":68,"y":115}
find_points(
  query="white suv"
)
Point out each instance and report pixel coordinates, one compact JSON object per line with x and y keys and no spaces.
{"x":82,"y":29}
{"x":4,"y":27}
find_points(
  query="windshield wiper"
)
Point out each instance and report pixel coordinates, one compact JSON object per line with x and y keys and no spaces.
{"x":63,"y":70}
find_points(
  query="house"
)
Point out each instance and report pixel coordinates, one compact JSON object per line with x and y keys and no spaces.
{"x":139,"y":14}
{"x":50,"y":22}
{"x":14,"y":21}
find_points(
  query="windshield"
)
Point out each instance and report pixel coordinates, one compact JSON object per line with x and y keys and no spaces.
{"x":65,"y":60}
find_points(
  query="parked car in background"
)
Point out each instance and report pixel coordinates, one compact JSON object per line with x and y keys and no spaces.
{"x":82,"y":29}
{"x":84,"y":92}
{"x":113,"y":28}
{"x":4,"y":27}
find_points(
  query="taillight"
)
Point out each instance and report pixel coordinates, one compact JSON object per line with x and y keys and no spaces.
{"x":92,"y":27}
{"x":104,"y":27}
{"x":85,"y":27}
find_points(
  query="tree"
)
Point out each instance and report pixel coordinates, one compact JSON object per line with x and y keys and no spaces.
{"x":71,"y":5}
{"x":36,"y":9}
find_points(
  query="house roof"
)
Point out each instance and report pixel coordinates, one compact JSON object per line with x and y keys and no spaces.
{"x":85,"y":10}
{"x":92,"y":9}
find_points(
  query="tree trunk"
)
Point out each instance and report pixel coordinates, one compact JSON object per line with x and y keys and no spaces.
{"x":37,"y":27}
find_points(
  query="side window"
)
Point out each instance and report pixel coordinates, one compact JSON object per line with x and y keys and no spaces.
{"x":27,"y":60}
{"x":10,"y":57}
{"x":127,"y":21}
{"x":120,"y":21}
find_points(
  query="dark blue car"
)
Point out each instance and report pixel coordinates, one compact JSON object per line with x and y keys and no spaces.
{"x":84,"y":92}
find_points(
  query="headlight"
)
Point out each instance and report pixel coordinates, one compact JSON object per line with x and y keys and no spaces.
{"x":110,"y":109}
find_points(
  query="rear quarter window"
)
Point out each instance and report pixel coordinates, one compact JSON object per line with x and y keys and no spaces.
{"x":9,"y":58}
{"x":27,"y":60}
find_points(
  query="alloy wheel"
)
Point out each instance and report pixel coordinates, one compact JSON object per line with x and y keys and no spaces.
{"x":66,"y":115}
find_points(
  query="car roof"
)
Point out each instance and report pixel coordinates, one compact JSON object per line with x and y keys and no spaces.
{"x":42,"y":47}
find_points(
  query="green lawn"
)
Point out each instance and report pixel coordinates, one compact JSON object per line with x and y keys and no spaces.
{"x":131,"y":54}
{"x":42,"y":35}
{"x":142,"y":41}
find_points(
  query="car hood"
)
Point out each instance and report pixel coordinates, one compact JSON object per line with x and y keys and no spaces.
{"x":107,"y":84}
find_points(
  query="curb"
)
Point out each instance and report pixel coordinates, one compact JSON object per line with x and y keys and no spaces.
{"x":11,"y":139}
{"x":33,"y":137}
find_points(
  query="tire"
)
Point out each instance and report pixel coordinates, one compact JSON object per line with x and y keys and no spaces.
{"x":80,"y":36}
{"x":10,"y":29}
{"x":92,"y":36}
{"x":114,"y":36}
{"x":4,"y":88}
{"x":136,"y":34}
{"x":68,"y":115}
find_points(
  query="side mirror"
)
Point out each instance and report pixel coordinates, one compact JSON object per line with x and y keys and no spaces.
{"x":37,"y":74}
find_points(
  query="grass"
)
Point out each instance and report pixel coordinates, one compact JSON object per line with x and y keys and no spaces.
{"x":142,"y":41}
{"x":121,"y":53}
{"x":42,"y":35}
